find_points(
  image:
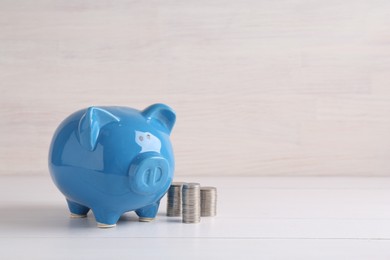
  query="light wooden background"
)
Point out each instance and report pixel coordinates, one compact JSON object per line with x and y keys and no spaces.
{"x":294,"y":87}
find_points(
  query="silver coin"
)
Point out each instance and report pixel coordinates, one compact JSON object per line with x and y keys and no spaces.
{"x":191,"y":203}
{"x":174,"y":199}
{"x":208,"y":201}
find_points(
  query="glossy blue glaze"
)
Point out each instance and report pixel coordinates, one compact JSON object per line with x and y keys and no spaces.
{"x":113,"y":160}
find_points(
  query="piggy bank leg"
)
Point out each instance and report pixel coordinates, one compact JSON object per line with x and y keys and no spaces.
{"x":77,"y":210}
{"x":106,"y":218}
{"x":148,"y":213}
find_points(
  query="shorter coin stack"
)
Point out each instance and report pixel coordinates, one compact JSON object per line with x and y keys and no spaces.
{"x":174,"y":199}
{"x":191,"y":203}
{"x":208,"y":201}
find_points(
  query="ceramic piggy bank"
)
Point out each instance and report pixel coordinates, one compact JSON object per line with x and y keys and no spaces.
{"x":112,"y":160}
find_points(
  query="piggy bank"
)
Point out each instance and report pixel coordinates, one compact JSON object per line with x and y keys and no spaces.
{"x":112,"y":160}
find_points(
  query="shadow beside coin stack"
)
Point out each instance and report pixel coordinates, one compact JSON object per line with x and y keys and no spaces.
{"x":191,"y":201}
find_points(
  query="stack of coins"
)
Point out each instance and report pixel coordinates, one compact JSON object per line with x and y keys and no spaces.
{"x":208,"y":201}
{"x":191,"y":203}
{"x":174,"y":199}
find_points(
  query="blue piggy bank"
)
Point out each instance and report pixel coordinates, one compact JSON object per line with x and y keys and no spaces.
{"x":113,"y":160}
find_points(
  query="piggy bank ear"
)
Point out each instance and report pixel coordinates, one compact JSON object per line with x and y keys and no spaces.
{"x":91,"y":123}
{"x":162,"y":115}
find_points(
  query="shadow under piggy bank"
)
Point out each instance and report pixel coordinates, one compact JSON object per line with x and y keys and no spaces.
{"x":42,"y":220}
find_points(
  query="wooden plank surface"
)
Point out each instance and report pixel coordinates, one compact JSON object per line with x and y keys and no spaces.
{"x":258,"y":218}
{"x":291,"y":87}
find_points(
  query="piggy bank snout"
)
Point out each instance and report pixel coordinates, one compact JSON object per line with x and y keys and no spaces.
{"x":149,"y":173}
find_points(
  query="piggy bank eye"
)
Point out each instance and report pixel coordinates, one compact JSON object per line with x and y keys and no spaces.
{"x":148,"y":142}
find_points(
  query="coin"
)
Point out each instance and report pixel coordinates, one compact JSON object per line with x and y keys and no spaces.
{"x":191,"y":203}
{"x":208,"y":201}
{"x":174,"y":199}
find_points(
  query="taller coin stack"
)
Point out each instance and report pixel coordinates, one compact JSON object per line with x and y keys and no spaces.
{"x":208,"y":198}
{"x":191,"y":203}
{"x":174,"y":199}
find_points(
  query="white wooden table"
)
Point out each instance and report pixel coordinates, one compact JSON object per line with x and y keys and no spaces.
{"x":258,"y":218}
